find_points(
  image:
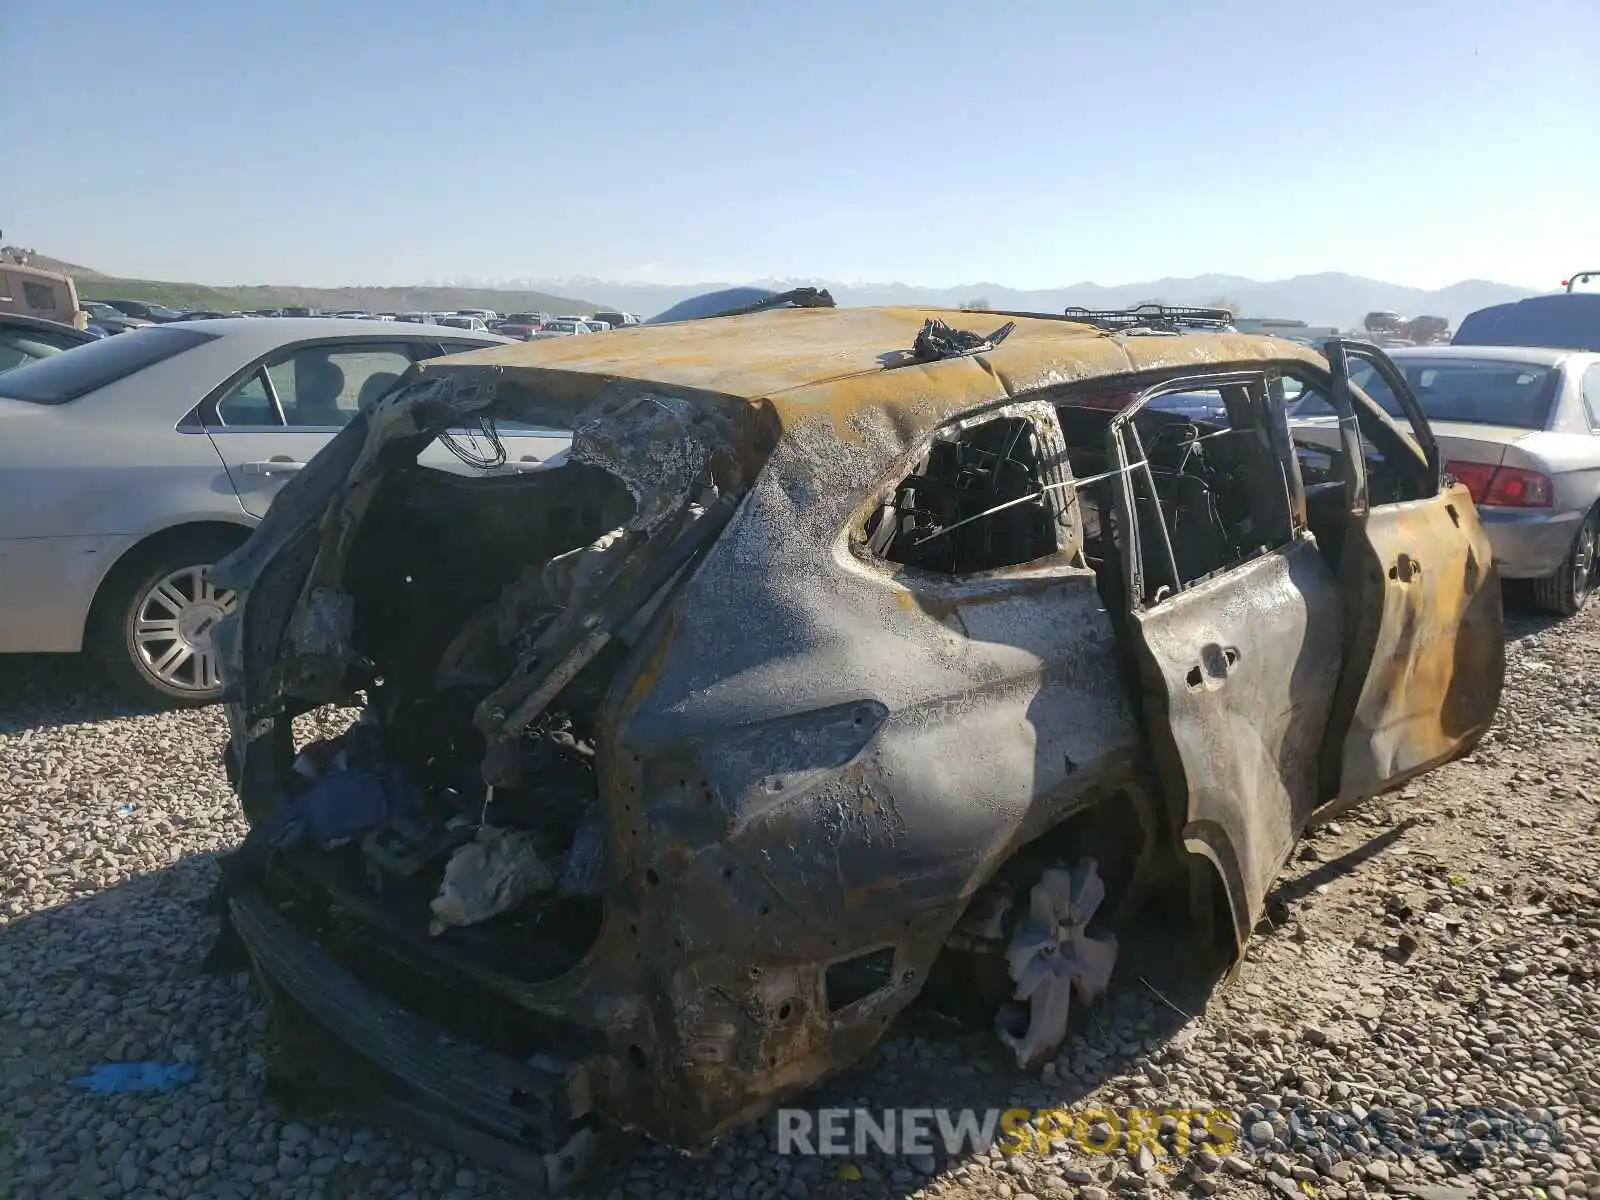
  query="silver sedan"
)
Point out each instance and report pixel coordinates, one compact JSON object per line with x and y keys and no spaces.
{"x":1520,"y":426}
{"x":131,"y":464}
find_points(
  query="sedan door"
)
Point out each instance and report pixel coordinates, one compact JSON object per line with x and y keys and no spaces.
{"x":270,"y":420}
{"x":1425,"y":651}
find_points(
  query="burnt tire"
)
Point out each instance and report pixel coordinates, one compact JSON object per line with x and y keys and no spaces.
{"x":150,"y":625}
{"x":1570,"y":589}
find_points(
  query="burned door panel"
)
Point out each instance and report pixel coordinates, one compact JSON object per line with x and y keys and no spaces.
{"x":1238,"y":675}
{"x":1425,"y":659}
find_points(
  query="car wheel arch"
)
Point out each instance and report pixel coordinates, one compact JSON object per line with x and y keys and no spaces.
{"x":1217,"y":891}
{"x":160,"y":539}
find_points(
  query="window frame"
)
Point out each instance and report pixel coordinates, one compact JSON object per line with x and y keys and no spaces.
{"x":260,"y":372}
{"x":1038,"y":408}
{"x":1589,"y":395}
{"x":1262,"y":393}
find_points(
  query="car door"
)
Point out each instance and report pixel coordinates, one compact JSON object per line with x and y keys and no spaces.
{"x":1237,"y":666}
{"x":269,"y":420}
{"x":1425,"y":653}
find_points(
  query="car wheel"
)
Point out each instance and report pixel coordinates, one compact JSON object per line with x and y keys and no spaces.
{"x":153,"y":620}
{"x":1568,"y":591}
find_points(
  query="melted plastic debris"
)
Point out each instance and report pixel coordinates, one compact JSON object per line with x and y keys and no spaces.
{"x":488,"y":876}
{"x":1051,"y":956}
{"x":649,"y":443}
{"x":936,"y":341}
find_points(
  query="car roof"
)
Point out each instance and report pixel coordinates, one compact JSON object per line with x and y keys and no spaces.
{"x":1540,"y":355}
{"x":278,"y":330}
{"x":1566,"y":320}
{"x":842,"y":363}
{"x":42,"y":324}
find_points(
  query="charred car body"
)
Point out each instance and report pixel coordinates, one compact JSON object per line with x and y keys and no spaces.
{"x":716,"y":740}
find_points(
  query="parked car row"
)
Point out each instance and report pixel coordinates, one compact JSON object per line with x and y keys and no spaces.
{"x":115,"y":316}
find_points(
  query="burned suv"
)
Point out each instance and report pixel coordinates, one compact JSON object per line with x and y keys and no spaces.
{"x":841,"y":644}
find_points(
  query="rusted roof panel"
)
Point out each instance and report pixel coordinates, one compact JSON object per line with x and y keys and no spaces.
{"x":773,"y":355}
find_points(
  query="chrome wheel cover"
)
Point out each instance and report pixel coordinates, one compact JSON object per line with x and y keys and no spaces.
{"x":171,"y":633}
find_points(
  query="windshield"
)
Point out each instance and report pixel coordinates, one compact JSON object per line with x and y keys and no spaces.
{"x":560,"y":327}
{"x":64,"y":377}
{"x":1474,"y":391}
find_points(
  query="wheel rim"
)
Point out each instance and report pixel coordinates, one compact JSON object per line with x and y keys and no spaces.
{"x":172,"y":626}
{"x":1584,"y":560}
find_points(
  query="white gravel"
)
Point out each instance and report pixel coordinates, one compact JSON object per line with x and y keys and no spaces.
{"x":1453,"y":964}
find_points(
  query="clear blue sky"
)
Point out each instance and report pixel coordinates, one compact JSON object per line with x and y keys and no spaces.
{"x":1028,"y":142}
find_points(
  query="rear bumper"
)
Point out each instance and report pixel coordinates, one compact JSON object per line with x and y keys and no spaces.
{"x":349,"y":1051}
{"x":1529,"y":545}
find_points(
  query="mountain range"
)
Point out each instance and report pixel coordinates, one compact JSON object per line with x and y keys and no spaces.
{"x":1330,"y":298}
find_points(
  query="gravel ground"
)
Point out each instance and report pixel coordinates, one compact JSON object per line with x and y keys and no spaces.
{"x":1437,"y":950}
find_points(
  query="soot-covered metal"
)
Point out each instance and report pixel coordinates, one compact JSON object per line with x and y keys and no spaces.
{"x":686,"y":765}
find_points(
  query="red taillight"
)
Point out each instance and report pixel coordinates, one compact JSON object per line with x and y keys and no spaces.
{"x":1475,"y":475}
{"x":1516,"y":488}
{"x":1506,"y":487}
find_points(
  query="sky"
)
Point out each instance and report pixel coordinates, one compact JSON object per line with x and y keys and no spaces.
{"x":1033,"y":143}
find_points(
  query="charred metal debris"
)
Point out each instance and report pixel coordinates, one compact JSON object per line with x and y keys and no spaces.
{"x":683,"y":767}
{"x":936,"y":341}
{"x":1153,"y":318}
{"x":801,"y":297}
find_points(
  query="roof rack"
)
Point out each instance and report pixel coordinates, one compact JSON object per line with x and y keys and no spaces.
{"x":1153,"y":318}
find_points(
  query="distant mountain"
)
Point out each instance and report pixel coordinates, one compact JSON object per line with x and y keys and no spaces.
{"x":1330,"y":298}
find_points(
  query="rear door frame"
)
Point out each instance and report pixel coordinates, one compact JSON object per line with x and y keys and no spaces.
{"x":1236,"y":722}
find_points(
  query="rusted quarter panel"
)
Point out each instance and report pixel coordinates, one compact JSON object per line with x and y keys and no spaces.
{"x":1426,"y":655}
{"x":1239,"y":675}
{"x":819,"y":757}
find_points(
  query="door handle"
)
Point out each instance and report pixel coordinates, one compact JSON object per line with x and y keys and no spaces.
{"x":273,"y":466}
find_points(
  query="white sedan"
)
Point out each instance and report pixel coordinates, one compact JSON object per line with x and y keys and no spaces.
{"x":131,"y":464}
{"x":1520,"y":426}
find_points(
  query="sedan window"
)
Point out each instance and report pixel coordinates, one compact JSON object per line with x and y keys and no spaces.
{"x":19,"y":347}
{"x":1591,"y":395}
{"x":322,"y":387}
{"x":1475,"y":391}
{"x":249,"y":404}
{"x":62,"y":378}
